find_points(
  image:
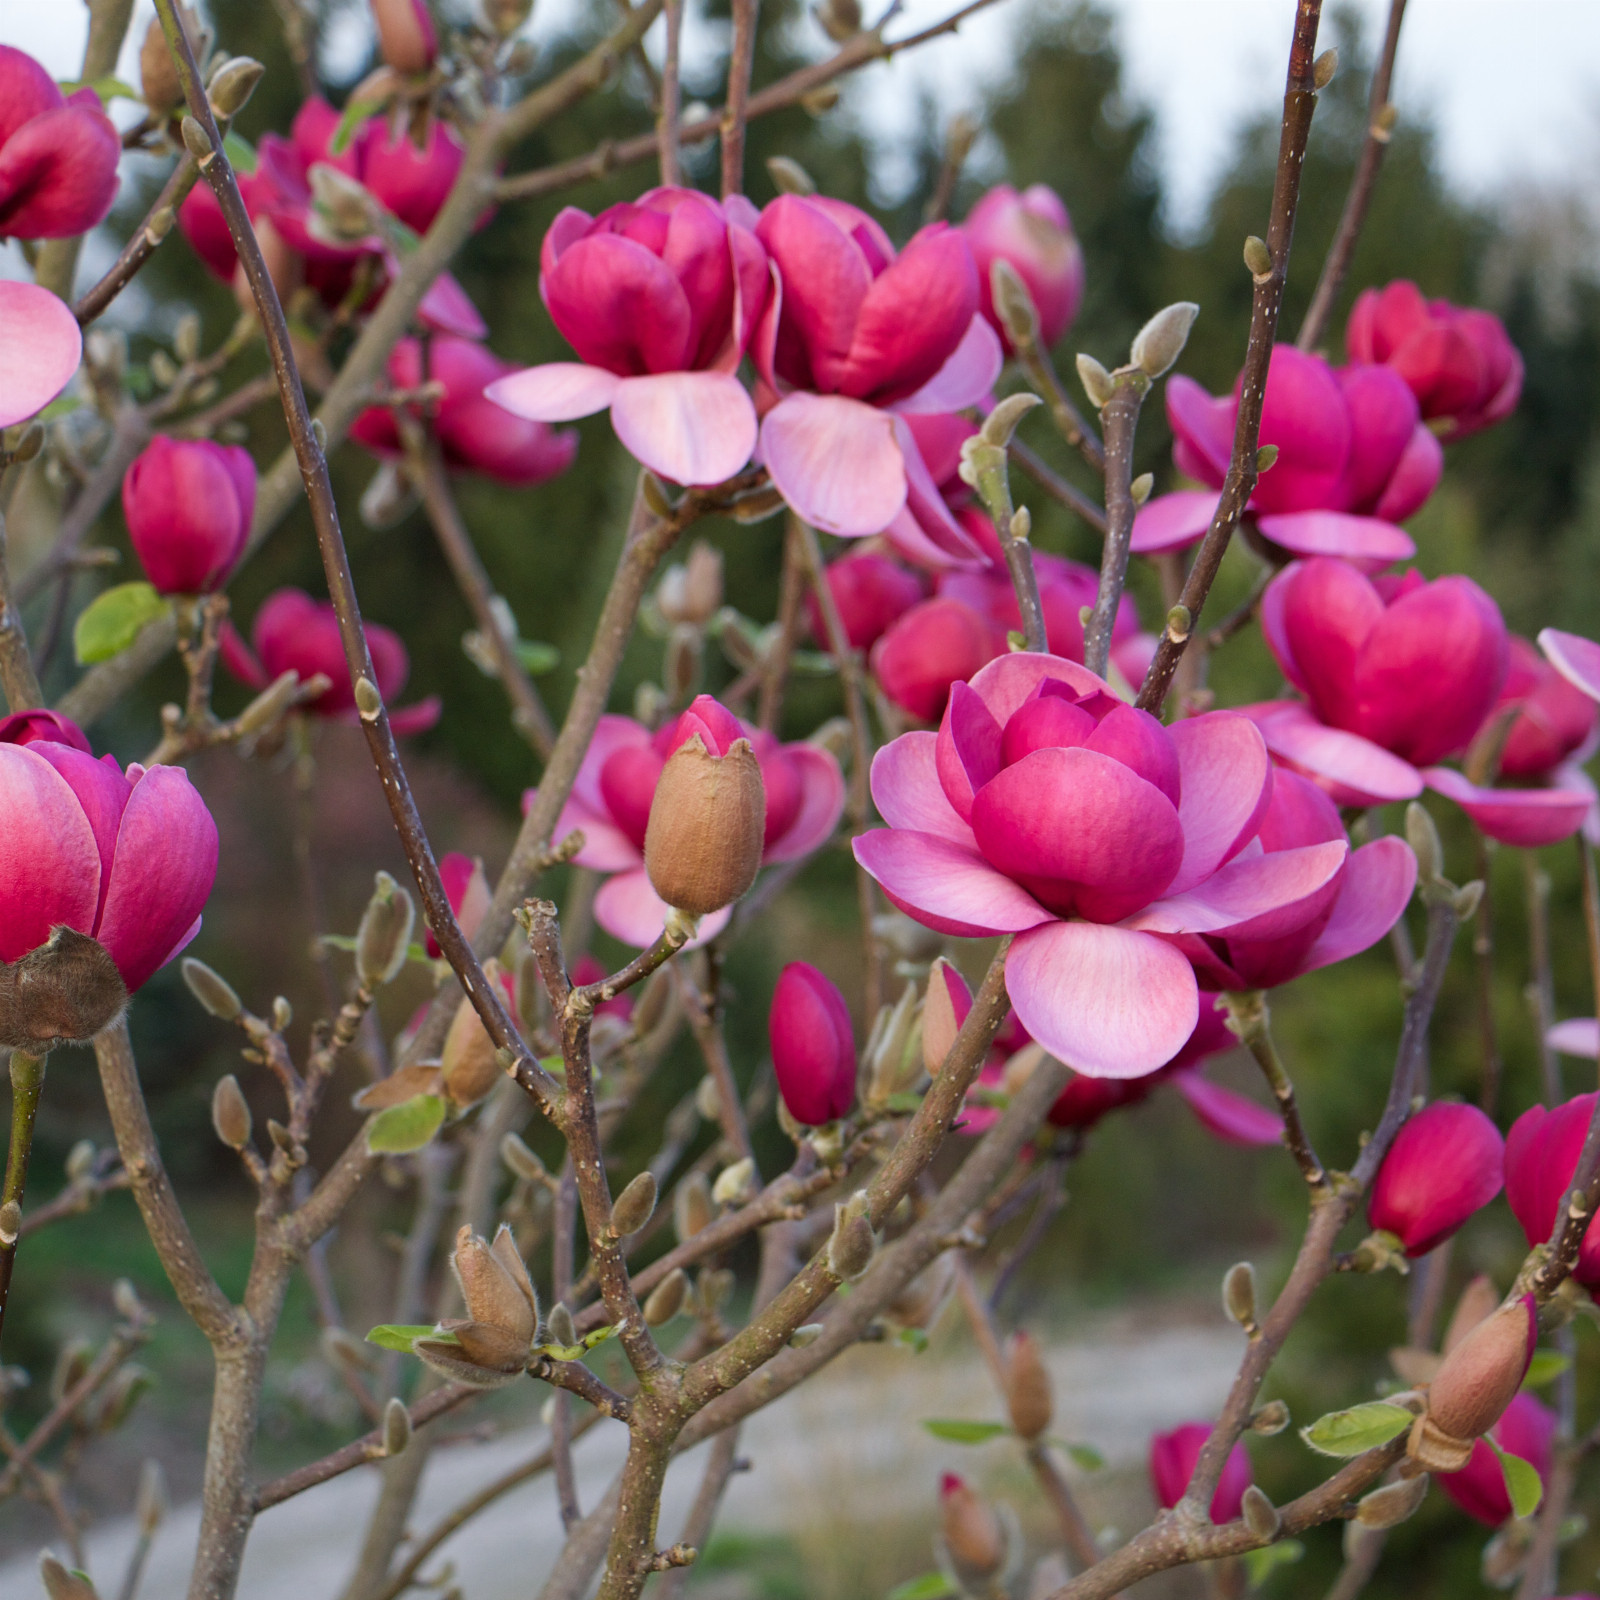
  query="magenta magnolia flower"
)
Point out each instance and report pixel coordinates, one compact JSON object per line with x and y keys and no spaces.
{"x":29,"y":727}
{"x":40,"y":347}
{"x":1542,"y":1152}
{"x":188,"y":504}
{"x":935,"y":644}
{"x":58,"y":154}
{"x":1555,"y":722}
{"x":870,"y":592}
{"x":611,"y":799}
{"x":1354,"y":458}
{"x":1032,"y":232}
{"x":406,"y":36}
{"x":854,"y":338}
{"x":813,"y":1047}
{"x":659,"y":297}
{"x":127,"y":859}
{"x":1046,"y":808}
{"x":1458,"y":362}
{"x":1445,"y":1165}
{"x":475,"y":434}
{"x":939,"y":527}
{"x":1526,"y":1429}
{"x":1173,"y":1457}
{"x":467,"y":890}
{"x":293,"y":632}
{"x":1397,"y":674}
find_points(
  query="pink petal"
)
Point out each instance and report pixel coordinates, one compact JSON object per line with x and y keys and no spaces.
{"x":1577,"y":659}
{"x":1227,"y":787}
{"x":1173,"y":521}
{"x":1365,"y":542}
{"x":1226,"y":1115}
{"x":821,"y":804}
{"x":945,"y":886}
{"x":559,"y":391}
{"x":418,"y":718}
{"x":1577,"y":1036}
{"x":611,"y":734}
{"x":1108,"y":1002}
{"x":1353,"y":770}
{"x":836,"y":462}
{"x":965,"y":378}
{"x":49,"y":862}
{"x":1259,"y":897}
{"x":1202,"y":424}
{"x":1415,"y":478}
{"x":103,"y":793}
{"x":968,"y":750}
{"x":927,"y":505}
{"x":694,"y":428}
{"x":906,"y":535}
{"x":1523,"y":817}
{"x":1008,"y":680}
{"x":445,"y":308}
{"x":40,"y":347}
{"x":58,"y":173}
{"x":619,"y":305}
{"x":907,"y":791}
{"x":634,"y":914}
{"x":1374,"y":892}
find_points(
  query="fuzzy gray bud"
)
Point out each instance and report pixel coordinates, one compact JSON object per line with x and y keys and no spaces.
{"x":1258,"y":258}
{"x":806,"y":1333}
{"x":1260,"y":1515}
{"x":384,"y":934}
{"x":1095,"y":379}
{"x":80,"y":1160}
{"x":1160,"y":342}
{"x":1324,"y":67}
{"x":634,"y":1206}
{"x":1239,"y":1294}
{"x":562,"y":1329}
{"x":1270,"y":1419}
{"x":1001,"y":423}
{"x":521,"y":1160}
{"x":840,"y":19}
{"x":197,"y":142}
{"x":1467,"y":897}
{"x":691,"y":1206}
{"x":851,"y":1247}
{"x":1423,"y":838}
{"x":735,"y":1184}
{"x":1393,"y":1503}
{"x":212,"y":990}
{"x":1013,"y":303}
{"x":666,"y":1299}
{"x":62,"y":1583}
{"x":396,"y":1426}
{"x":230,"y":1115}
{"x":232,"y":84}
{"x":789,"y":177}
{"x":10,"y":1223}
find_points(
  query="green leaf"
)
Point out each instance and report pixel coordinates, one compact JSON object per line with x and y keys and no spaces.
{"x":355,"y":113}
{"x":914,"y":1339}
{"x":406,"y":1127}
{"x":108,"y":88}
{"x":954,"y":1431}
{"x":1260,"y":1564}
{"x":600,"y":1335}
{"x":62,"y":406}
{"x":930,"y":1586}
{"x":1363,"y":1427}
{"x":1522,"y":1480}
{"x":240,"y":152}
{"x":536,"y":657}
{"x":1546,"y":1367}
{"x":114,"y":619}
{"x":908,"y":1100}
{"x":1085,"y":1457}
{"x":401,"y":1336}
{"x":347,"y":943}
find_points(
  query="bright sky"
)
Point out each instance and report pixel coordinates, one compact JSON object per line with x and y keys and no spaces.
{"x":1513,"y":84}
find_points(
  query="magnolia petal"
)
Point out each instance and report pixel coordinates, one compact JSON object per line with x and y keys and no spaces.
{"x":40,"y":347}
{"x":821,"y":804}
{"x":1008,"y":680}
{"x":558,"y":391}
{"x":944,"y":885}
{"x":1227,"y":786}
{"x":965,"y":378}
{"x":445,"y":308}
{"x":606,"y":848}
{"x":1577,"y":659}
{"x":836,"y":462}
{"x":1353,"y":770}
{"x":1260,"y":897}
{"x":49,"y":862}
{"x":695,"y":428}
{"x":1109,"y":1002}
{"x":1374,"y":892}
{"x":907,"y":791}
{"x":967,"y":755}
{"x":1228,"y":1116}
{"x":1173,"y":521}
{"x":1523,"y":817}
{"x":1367,"y":543}
{"x":1577,"y":1036}
{"x":633,"y":913}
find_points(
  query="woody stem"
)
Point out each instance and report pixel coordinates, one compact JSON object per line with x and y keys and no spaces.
{"x":27,"y":1080}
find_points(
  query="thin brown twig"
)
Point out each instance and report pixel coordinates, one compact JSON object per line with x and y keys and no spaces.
{"x":1057,"y":487}
{"x":668,"y":112}
{"x":155,"y":227}
{"x":736,"y":112}
{"x":1119,"y":418}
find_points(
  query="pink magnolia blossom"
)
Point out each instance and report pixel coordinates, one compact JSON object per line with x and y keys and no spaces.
{"x":659,"y":297}
{"x":1032,"y":232}
{"x":935,"y":644}
{"x":1046,"y":808}
{"x":475,"y":434}
{"x":40,"y":348}
{"x":854,"y":338}
{"x":616,"y":782}
{"x":467,"y":890}
{"x":940,"y":527}
{"x":58,"y":154}
{"x":870,"y":592}
{"x":293,"y":632}
{"x":1542,"y":1153}
{"x":1354,"y":458}
{"x":813,"y":1047}
{"x":1173,"y":1458}
{"x":406,"y":36}
{"x":1556,"y":722}
{"x":1397,"y":673}
{"x":29,"y":727}
{"x":1445,"y":1165}
{"x":1527,"y":1429}
{"x":1458,"y":362}
{"x":126,"y":858}
{"x":188,"y":505}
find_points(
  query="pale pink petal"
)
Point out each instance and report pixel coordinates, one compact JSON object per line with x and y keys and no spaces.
{"x":1260,"y":897}
{"x":1008,"y":680}
{"x":1374,"y":892}
{"x":907,"y":791}
{"x":945,"y":886}
{"x":1226,"y":1115}
{"x":1577,"y":659}
{"x":1523,"y":817}
{"x":906,"y":535}
{"x":965,"y":378}
{"x":821,"y":804}
{"x":559,"y":391}
{"x":1365,"y":542}
{"x":611,"y":734}
{"x":1108,"y":1002}
{"x":836,"y":462}
{"x":1173,"y":521}
{"x":1132,"y":655}
{"x":1353,"y":770}
{"x":40,"y":347}
{"x":49,"y":862}
{"x":694,"y":428}
{"x":1577,"y":1036}
{"x":927,"y":504}
{"x":634,"y":914}
{"x":606,"y":848}
{"x":1227,"y":786}
{"x":445,"y":308}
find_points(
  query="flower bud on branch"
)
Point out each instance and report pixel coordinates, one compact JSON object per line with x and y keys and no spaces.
{"x":1477,"y":1382}
{"x":230,"y":1114}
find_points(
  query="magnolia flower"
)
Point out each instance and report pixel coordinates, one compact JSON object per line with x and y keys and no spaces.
{"x":1445,"y":1165}
{"x":1048,"y":809}
{"x":855,"y":338}
{"x":1527,"y":1429}
{"x":29,"y":727}
{"x":58,"y":154}
{"x":40,"y":348}
{"x":813,"y":1047}
{"x":188,"y":504}
{"x":293,"y":632}
{"x":475,"y":434}
{"x":611,"y":797}
{"x":870,"y":593}
{"x":1542,"y":1153}
{"x":406,"y":36}
{"x":659,"y":298}
{"x":1033,"y":233}
{"x":1354,"y":458}
{"x":1173,"y":1458}
{"x":1459,"y":363}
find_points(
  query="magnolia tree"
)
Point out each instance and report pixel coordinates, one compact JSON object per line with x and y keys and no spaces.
{"x":1035,"y":790}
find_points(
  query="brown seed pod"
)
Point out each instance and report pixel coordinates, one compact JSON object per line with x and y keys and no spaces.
{"x":1030,"y":1396}
{"x":974,"y":1537}
{"x":64,"y":992}
{"x":468,"y":1059}
{"x":158,"y":77}
{"x":1478,"y":1380}
{"x":702,"y":845}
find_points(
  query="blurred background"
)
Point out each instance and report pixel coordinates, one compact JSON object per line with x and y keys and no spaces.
{"x":1157,"y":124}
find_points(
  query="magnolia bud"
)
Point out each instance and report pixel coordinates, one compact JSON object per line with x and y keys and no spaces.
{"x":72,"y":1362}
{"x":1423,"y":837}
{"x":1260,"y":1515}
{"x":1001,"y":423}
{"x":495,"y":1284}
{"x":716,"y":1284}
{"x":1324,"y":67}
{"x":692,"y":593}
{"x":158,"y":75}
{"x":807,"y":1333}
{"x":521,"y":1160}
{"x":1013,"y":302}
{"x":504,"y":17}
{"x":1030,"y":1397}
{"x":406,"y":37}
{"x":1160,"y":342}
{"x":840,"y":19}
{"x":851,"y":1247}
{"x":1466,"y":899}
{"x":125,"y":1298}
{"x":384,"y":936}
{"x":666,"y":1299}
{"x":212,"y":990}
{"x":1140,"y":487}
{"x":634,"y":1206}
{"x":1393,"y":1503}
{"x":789,"y":177}
{"x":1478,"y":1380}
{"x":1095,"y":379}
{"x":973,"y":1536}
{"x":813,"y":1046}
{"x":197,"y":141}
{"x":563,"y":1330}
{"x":396,"y":1426}
{"x":703,"y":842}
{"x":1270,"y":1419}
{"x":1266,"y":458}
{"x":62,"y":1584}
{"x":80,"y":1160}
{"x":894,"y":1050}
{"x":230,"y":1115}
{"x":150,"y":1504}
{"x":66,"y":989}
{"x":342,"y":211}
{"x":1239,"y":1294}
{"x":691,"y":1206}
{"x":232,"y":84}
{"x":1477,"y":1303}
{"x":1258,"y":258}
{"x":1445,"y":1165}
{"x":735,"y":1184}
{"x":468,"y":1060}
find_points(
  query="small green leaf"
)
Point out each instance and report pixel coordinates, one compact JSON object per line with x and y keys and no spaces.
{"x":907,"y":1101}
{"x":401,"y":1336}
{"x":536,"y":657}
{"x":355,"y":113}
{"x":1522,"y":1480}
{"x":600,"y":1335}
{"x":930,"y":1586}
{"x":1085,"y":1457}
{"x":62,"y":406}
{"x":1260,"y":1564}
{"x":954,"y":1431}
{"x":108,"y":88}
{"x":1363,"y":1427}
{"x":1546,"y":1367}
{"x":406,"y":1127}
{"x":240,"y":152}
{"x":114,"y":619}
{"x":813,"y":664}
{"x":914,"y":1339}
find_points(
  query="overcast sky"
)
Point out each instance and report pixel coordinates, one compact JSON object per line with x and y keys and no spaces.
{"x":1514,"y":85}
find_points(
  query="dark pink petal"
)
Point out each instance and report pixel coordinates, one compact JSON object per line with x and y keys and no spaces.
{"x":1008,"y":680}
{"x":825,"y":276}
{"x":1523,"y":817}
{"x":968,"y":750}
{"x":1203,"y":428}
{"x":413,"y":184}
{"x":558,"y":391}
{"x":944,"y":885}
{"x":26,"y":90}
{"x":1226,"y":781}
{"x":836,"y":462}
{"x":1366,"y":543}
{"x":1228,"y":1116}
{"x":49,"y":862}
{"x":1256,"y":897}
{"x":1577,"y":1036}
{"x":1353,"y":770}
{"x":1139,"y":742}
{"x":965,"y":378}
{"x":634,"y":914}
{"x":1329,"y":613}
{"x":1415,"y":478}
{"x":1173,"y":521}
{"x":1270,"y":614}
{"x":102,"y":791}
{"x":1577,"y":659}
{"x":1445,"y":1165}
{"x":1300,"y":813}
{"x":1305,"y":415}
{"x":58,"y":173}
{"x":755,"y":285}
{"x":619,"y":306}
{"x":693,"y":428}
{"x":1109,"y":1002}
{"x":1374,"y":893}
{"x":40,"y":347}
{"x":1383,"y":417}
{"x":821,"y":804}
{"x":446,"y":309}
{"x":696,"y":252}
{"x":907,"y":791}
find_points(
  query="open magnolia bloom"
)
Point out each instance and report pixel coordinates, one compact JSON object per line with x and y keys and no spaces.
{"x":58,"y":154}
{"x":41,"y":345}
{"x":1046,"y":808}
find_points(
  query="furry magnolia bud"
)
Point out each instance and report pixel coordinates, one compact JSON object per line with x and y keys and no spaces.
{"x":1423,"y":837}
{"x":1478,"y":1380}
{"x":232,"y":84}
{"x":212,"y":990}
{"x":521,"y":1160}
{"x":853,"y":1242}
{"x":789,"y":177}
{"x":563,"y":1330}
{"x":495,"y":1283}
{"x":62,"y":1583}
{"x":1260,"y":1515}
{"x":1393,"y":1503}
{"x":1095,"y":379}
{"x":230,"y":1115}
{"x":634,"y":1206}
{"x":735,"y":1184}
{"x":1478,"y":1302}
{"x":158,"y":77}
{"x":692,"y":1209}
{"x":150,"y":1505}
{"x":1258,"y":258}
{"x":468,"y":1061}
{"x":973,"y":1536}
{"x":1239,"y":1294}
{"x":703,"y":842}
{"x":666,"y":1299}
{"x":66,"y":990}
{"x":384,"y":936}
{"x":1013,"y":303}
{"x":396,"y":1426}
{"x":692,"y":592}
{"x":1030,"y":1397}
{"x":1160,"y":342}
{"x":1270,"y":1419}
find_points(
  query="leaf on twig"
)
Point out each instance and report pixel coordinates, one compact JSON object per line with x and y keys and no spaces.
{"x":240,"y":152}
{"x":1546,"y":1367}
{"x":955,"y":1431}
{"x":400,"y":1129}
{"x":402,"y":1335}
{"x":355,"y":113}
{"x":1363,"y":1427}
{"x":1522,"y":1480}
{"x":1260,"y":1564}
{"x":930,"y":1586}
{"x":114,"y":619}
